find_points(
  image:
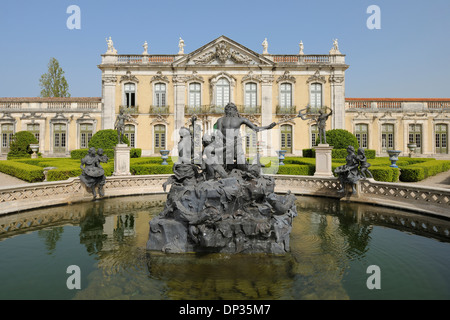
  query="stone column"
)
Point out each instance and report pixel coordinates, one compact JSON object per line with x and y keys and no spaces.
{"x":338,"y":101}
{"x":179,"y":104}
{"x":109,"y":101}
{"x":267,"y":136}
{"x":323,"y":161}
{"x":122,"y":160}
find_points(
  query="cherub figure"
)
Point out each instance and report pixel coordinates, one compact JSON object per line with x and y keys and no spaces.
{"x":363,"y":164}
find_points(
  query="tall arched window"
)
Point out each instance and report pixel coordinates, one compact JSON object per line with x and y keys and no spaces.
{"x":7,"y":135}
{"x":362,"y":134}
{"x":130,"y":133}
{"x":59,"y":138}
{"x":160,"y":95}
{"x":159,"y":137}
{"x":250,"y":94}
{"x":130,"y":94}
{"x":86,"y":130}
{"x":387,"y":137}
{"x":415,"y":136}
{"x":286,"y":95}
{"x":195,"y":94}
{"x":441,"y":138}
{"x":314,"y":135}
{"x":315,"y":95}
{"x":34,"y":129}
{"x":286,"y":138}
{"x":222,"y":92}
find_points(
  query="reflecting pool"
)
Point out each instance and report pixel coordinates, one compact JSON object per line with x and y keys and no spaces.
{"x":332,"y":246}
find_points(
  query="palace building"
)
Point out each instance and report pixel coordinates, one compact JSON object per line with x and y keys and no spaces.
{"x":162,"y":93}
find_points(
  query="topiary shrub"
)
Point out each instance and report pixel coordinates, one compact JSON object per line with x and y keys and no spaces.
{"x":106,"y":139}
{"x":20,"y":145}
{"x":341,"y":139}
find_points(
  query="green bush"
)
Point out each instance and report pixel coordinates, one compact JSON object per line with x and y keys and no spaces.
{"x":296,"y":169}
{"x":20,"y":145}
{"x":23,"y":171}
{"x":419,"y":171}
{"x":386,"y":174}
{"x":341,"y":139}
{"x":106,"y":139}
{"x":309,"y":153}
{"x":143,"y":169}
{"x":81,"y":153}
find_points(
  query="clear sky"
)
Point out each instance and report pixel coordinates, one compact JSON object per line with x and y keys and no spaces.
{"x":407,"y":58}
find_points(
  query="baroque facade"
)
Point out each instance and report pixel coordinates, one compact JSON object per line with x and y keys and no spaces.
{"x":161,"y":94}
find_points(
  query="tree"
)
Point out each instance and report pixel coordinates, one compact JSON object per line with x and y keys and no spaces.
{"x":106,"y":139}
{"x":53,"y":83}
{"x":341,"y":139}
{"x":20,"y":145}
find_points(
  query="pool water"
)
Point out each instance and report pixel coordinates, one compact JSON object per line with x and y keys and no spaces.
{"x":333,"y":244}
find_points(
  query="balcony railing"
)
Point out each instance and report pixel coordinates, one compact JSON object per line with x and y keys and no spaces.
{"x":159,"y":109}
{"x":286,"y":110}
{"x":398,"y":104}
{"x":205,"y":109}
{"x":138,"y":59}
{"x":249,"y":109}
{"x":130,"y":109}
{"x":308,"y":59}
{"x":49,"y":105}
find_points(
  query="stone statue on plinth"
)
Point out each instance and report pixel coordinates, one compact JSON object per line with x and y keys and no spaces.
{"x":321,"y":121}
{"x":119,"y":125}
{"x":348,"y":174}
{"x":93,"y":174}
{"x":222,"y":205}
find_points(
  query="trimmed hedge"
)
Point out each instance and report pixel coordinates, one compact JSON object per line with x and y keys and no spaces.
{"x":81,"y":153}
{"x":23,"y":171}
{"x":386,"y":174}
{"x":341,"y":139}
{"x":106,"y":139}
{"x":338,"y":153}
{"x":420,"y":171}
{"x":20,"y":145}
{"x":296,"y":169}
{"x":143,"y":169}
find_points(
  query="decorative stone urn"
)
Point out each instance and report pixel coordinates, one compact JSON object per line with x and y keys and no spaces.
{"x":393,"y":157}
{"x":35,"y":149}
{"x":164,"y":156}
{"x":412,"y":147}
{"x":281,"y":157}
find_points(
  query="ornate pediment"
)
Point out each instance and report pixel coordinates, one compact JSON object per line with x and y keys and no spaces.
{"x":251,"y":77}
{"x":286,"y":77}
{"x":159,"y":77}
{"x":129,"y":77}
{"x":223,"y":51}
{"x":316,"y":78}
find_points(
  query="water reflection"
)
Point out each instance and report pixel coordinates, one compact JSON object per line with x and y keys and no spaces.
{"x":327,"y":236}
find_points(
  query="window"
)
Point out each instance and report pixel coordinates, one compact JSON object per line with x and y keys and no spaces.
{"x":129,"y":132}
{"x":194,"y":95}
{"x":314,"y":135}
{"x":286,"y":95}
{"x":441,"y":137}
{"x":7,"y":136}
{"x":85,"y":134}
{"x":415,"y":136}
{"x":34,"y":129}
{"x":316,"y":95}
{"x":222,"y":92}
{"x":59,"y":138}
{"x":250,"y":141}
{"x":250,"y":94}
{"x":286,"y":138}
{"x":130,"y":94}
{"x":160,"y":94}
{"x":362,"y":134}
{"x":160,"y":138}
{"x":387,"y":137}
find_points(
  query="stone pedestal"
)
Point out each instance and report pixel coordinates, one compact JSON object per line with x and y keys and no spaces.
{"x":323,"y":161}
{"x":122,"y":160}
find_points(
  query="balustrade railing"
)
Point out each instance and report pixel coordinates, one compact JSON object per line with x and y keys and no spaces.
{"x":159,"y":109}
{"x":286,"y":110}
{"x":38,"y":105}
